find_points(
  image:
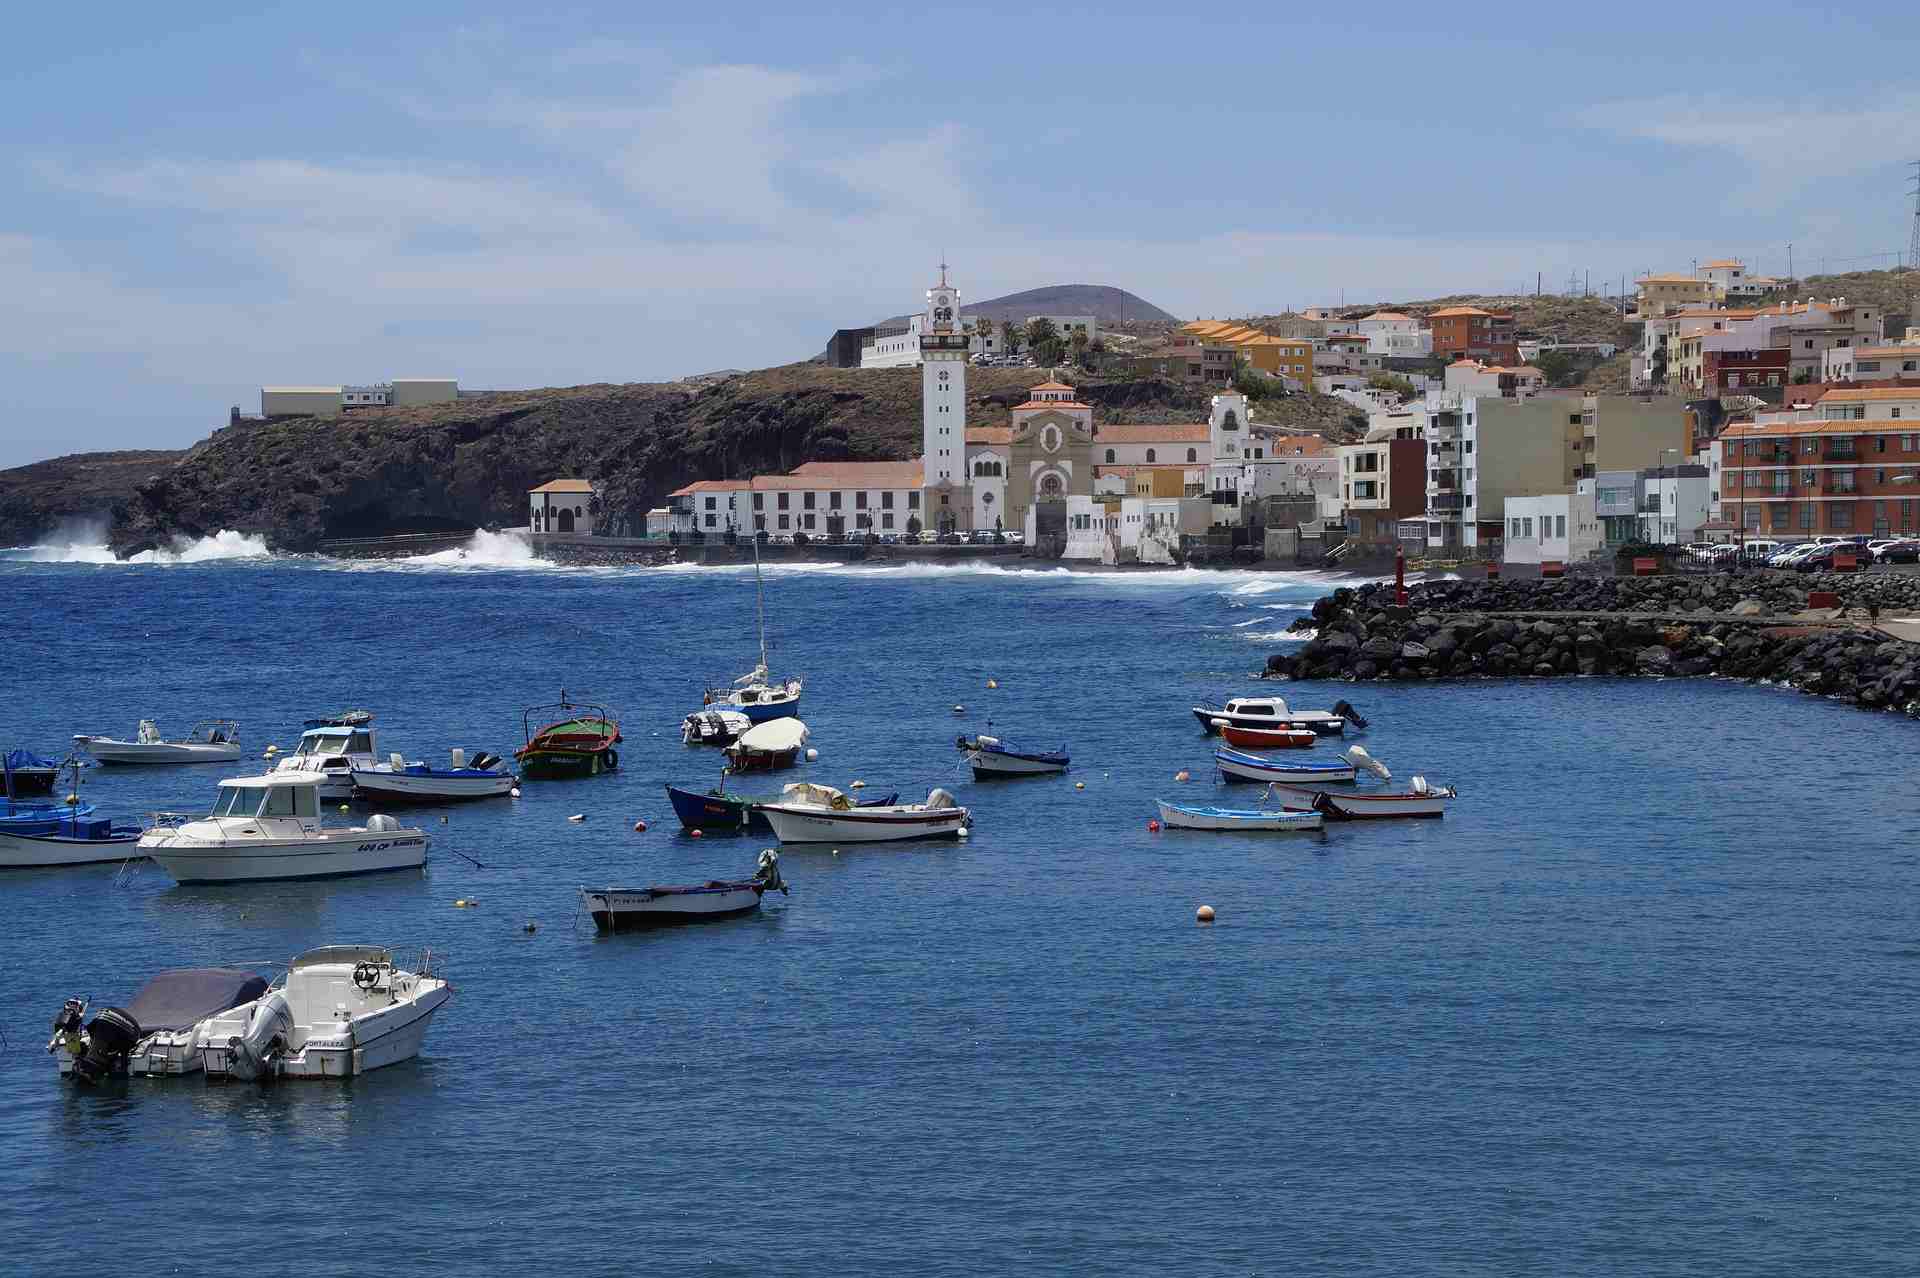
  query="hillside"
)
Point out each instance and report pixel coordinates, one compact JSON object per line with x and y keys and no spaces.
{"x":1113,"y":307}
{"x":86,"y":486}
{"x":300,"y":481}
{"x":1561,"y":319}
{"x":1893,"y":291}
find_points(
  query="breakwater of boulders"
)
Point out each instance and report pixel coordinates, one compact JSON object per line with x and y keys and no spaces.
{"x":1734,"y":625}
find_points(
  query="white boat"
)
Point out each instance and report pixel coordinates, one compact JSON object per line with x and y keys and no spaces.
{"x":774,"y":744}
{"x":1239,"y":765}
{"x":1274,"y":713}
{"x":1418,"y":800}
{"x":812,"y":822}
{"x":627,"y":909}
{"x":398,"y":781}
{"x":713,"y":727}
{"x":340,"y":1010}
{"x":1180,"y":816}
{"x":68,"y":840}
{"x":211,"y":741}
{"x":268,"y":827}
{"x":990,"y":757}
{"x":332,"y":748}
{"x":757,"y":694}
{"x":157,"y":1032}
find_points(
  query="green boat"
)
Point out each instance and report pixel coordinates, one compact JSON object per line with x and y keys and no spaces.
{"x":576,"y":740}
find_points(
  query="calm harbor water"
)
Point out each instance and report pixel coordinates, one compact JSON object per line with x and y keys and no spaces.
{"x":1643,"y":1002}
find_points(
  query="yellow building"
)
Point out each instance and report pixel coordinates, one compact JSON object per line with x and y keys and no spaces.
{"x":1661,"y":294}
{"x":1279,"y":356}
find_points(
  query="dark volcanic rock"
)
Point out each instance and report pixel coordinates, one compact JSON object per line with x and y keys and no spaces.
{"x":85,"y":488}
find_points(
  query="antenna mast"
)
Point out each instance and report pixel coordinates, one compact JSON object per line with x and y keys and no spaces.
{"x":1913,"y":247}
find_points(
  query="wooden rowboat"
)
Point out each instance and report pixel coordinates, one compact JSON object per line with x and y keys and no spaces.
{"x":1176,"y":816}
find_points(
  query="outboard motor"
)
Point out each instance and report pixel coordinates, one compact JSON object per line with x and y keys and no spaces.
{"x":1346,"y":711}
{"x":250,"y":1055}
{"x":380,"y":822}
{"x":940,"y":799}
{"x":101,"y":1050}
{"x":1364,"y":762}
{"x":767,"y":875}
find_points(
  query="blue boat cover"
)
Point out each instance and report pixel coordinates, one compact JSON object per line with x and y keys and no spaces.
{"x":21,"y":760}
{"x":1016,"y":751}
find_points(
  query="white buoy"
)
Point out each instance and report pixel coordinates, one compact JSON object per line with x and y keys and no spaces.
{"x":963,"y":831}
{"x":857,"y":785}
{"x":578,"y":816}
{"x":515,"y":792}
{"x":959,"y":709}
{"x":1183,"y":775}
{"x":993,"y":683}
{"x":813,"y":756}
{"x":1078,"y":785}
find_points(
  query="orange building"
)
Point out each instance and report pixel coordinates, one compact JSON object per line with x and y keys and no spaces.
{"x":1280,"y":356}
{"x":1467,"y":332}
{"x":1851,"y":468}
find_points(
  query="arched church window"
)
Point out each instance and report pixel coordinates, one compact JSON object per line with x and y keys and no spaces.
{"x":1109,"y":455}
{"x":1192,"y":456}
{"x":1149,"y":455}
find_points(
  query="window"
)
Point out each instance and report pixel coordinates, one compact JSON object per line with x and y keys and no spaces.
{"x":1880,"y":443}
{"x":806,"y":502}
{"x":1560,"y":525}
{"x":1149,"y":456}
{"x":759,"y":501}
{"x":710,"y":502}
{"x":1109,"y":455}
{"x":1780,"y":513}
{"x":1193,"y":455}
{"x":1840,"y":515}
{"x":1806,"y":517}
{"x":886,"y":501}
{"x":1526,"y":525}
{"x":786,"y":522}
{"x":860,"y":500}
{"x":806,"y":522}
{"x":886,"y":520}
{"x":710,"y":521}
{"x":833,"y":501}
{"x":1515,"y":530}
{"x":783,"y":504}
{"x":913,"y":500}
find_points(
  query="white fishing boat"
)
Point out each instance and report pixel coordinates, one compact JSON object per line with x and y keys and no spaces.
{"x":776,"y":743}
{"x":398,"y":781}
{"x":268,"y":827}
{"x":1419,"y":799}
{"x":332,"y":748}
{"x":1181,"y":816}
{"x":629,"y":909}
{"x":211,"y":741}
{"x":990,"y":757}
{"x":713,"y":727}
{"x":1239,"y":765}
{"x":796,"y":821}
{"x":67,"y":839}
{"x":1274,"y":714}
{"x":340,"y":1010}
{"x":155,"y":1033}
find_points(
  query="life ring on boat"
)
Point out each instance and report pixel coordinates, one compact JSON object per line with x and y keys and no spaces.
{"x":366,"y":975}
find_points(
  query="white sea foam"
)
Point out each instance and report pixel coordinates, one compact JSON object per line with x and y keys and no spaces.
{"x":483,"y":552}
{"x":86,"y":543}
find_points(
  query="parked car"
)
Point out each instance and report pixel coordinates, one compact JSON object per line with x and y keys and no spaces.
{"x":1904,"y":551}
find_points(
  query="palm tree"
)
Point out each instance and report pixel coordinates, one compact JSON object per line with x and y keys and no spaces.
{"x":1009,"y":336}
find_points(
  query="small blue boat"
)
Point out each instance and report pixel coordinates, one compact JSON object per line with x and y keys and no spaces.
{"x":1182,"y":816}
{"x":990,"y":758}
{"x":36,"y":818}
{"x":1238,"y":765}
{"x":69,"y":837}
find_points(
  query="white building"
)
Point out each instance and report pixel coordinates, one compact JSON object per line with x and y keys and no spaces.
{"x":1871,"y":363}
{"x":1675,"y":504}
{"x":1551,"y":528}
{"x":1732,"y":281}
{"x":331,"y":401}
{"x":562,"y":506}
{"x":1392,"y":333}
{"x":893,"y":345}
{"x":1470,"y":377}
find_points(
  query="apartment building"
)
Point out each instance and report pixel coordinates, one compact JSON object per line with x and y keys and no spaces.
{"x":1383,"y":480}
{"x":1657,"y":295}
{"x":1467,"y":332}
{"x":1870,"y":363}
{"x":1850,"y":464}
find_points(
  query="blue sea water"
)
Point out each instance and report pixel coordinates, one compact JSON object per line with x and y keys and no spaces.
{"x":1644,"y":1002}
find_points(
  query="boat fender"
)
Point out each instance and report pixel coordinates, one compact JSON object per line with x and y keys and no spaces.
{"x":1204,"y":914}
{"x":1079,"y":785}
{"x":813,"y":756}
{"x":613,"y":758}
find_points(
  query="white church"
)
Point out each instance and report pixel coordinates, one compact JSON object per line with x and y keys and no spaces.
{"x":1051,"y":471}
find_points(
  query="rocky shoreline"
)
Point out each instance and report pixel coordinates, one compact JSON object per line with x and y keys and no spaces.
{"x":1752,"y":626}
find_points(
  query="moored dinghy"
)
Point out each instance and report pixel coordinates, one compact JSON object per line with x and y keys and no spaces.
{"x":1237,"y":765}
{"x":398,"y":781}
{"x":1273,"y":714}
{"x":630,"y":909}
{"x":1418,"y":800}
{"x":1180,"y":816}
{"x":339,"y":1011}
{"x":990,"y":757}
{"x":765,"y":746}
{"x":575,"y":740}
{"x":26,"y":773}
{"x":45,"y":835}
{"x":1268,"y":738}
{"x":713,"y":727}
{"x":716,"y":811}
{"x":839,"y":821}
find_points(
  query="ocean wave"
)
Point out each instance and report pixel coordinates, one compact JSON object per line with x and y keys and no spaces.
{"x":484,"y":552}
{"x":87,"y":544}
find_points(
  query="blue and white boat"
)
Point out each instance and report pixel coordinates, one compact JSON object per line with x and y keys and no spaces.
{"x":1239,"y":765}
{"x":72,"y":836}
{"x":990,"y":757}
{"x":25,"y":772}
{"x":32,"y":818}
{"x":1181,"y":816}
{"x":397,"y":780}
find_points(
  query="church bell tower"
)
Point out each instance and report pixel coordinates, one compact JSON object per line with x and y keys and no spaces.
{"x":943,"y":391}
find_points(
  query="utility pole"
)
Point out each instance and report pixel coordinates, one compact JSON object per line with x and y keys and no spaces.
{"x":1913,"y":246}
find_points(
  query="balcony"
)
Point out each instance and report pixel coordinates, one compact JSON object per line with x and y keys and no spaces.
{"x":1447,"y":503}
{"x":1839,"y":450}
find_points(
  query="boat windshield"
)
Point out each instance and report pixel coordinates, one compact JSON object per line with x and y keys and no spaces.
{"x":335,"y":743}
{"x":234,"y":800}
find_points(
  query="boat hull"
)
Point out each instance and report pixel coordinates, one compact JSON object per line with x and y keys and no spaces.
{"x":370,"y":852}
{"x":1270,"y":738}
{"x":711,"y":811}
{"x":1338,"y":806}
{"x":39,"y":851}
{"x":1178,"y":817}
{"x":1247,"y":767}
{"x":991,"y":765}
{"x":431,"y":788}
{"x":1318,"y":722}
{"x":632,"y":910}
{"x":563,"y":765}
{"x":766,"y":712}
{"x":801,"y":824}
{"x":761,"y":760}
{"x":107,"y":750}
{"x":386,"y":1037}
{"x":31,"y":782}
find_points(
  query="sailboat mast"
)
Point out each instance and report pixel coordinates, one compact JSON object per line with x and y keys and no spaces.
{"x":760,"y":604}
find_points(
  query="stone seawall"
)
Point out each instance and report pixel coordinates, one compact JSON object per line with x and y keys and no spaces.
{"x":1748,"y":626}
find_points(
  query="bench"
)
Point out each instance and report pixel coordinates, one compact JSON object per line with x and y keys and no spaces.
{"x":1552,"y":568}
{"x":1645,"y":566}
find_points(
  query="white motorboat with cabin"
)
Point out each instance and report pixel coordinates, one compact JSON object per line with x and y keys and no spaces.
{"x":340,"y":1010}
{"x":802,"y":817}
{"x":269,"y":827}
{"x":210,"y":741}
{"x":332,"y":748}
{"x":630,"y":909}
{"x":1274,"y":713}
{"x":157,"y":1032}
{"x":398,"y":781}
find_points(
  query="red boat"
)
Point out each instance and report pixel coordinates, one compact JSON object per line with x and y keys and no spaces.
{"x":1270,"y":738}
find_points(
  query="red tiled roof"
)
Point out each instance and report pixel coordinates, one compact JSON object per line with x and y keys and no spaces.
{"x":713,"y":486}
{"x":1194,"y":433}
{"x":989,"y":434}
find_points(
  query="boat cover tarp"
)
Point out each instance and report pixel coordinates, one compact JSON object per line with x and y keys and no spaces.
{"x":188,"y":995}
{"x":775,"y":736}
{"x":21,"y":760}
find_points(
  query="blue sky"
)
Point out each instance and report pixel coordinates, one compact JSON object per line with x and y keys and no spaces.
{"x":193,"y":206}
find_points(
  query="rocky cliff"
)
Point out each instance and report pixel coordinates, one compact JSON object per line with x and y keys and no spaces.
{"x":36,"y":500}
{"x":300,"y":481}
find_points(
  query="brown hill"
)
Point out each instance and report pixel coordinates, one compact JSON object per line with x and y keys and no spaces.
{"x":83,"y":487}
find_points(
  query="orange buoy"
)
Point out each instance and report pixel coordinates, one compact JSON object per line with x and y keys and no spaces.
{"x":1153,"y":826}
{"x":639,"y":827}
{"x":693,"y":834}
{"x":1183,"y":775}
{"x":1204,"y":914}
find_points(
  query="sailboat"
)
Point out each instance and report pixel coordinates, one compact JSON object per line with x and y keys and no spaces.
{"x":756,"y":694}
